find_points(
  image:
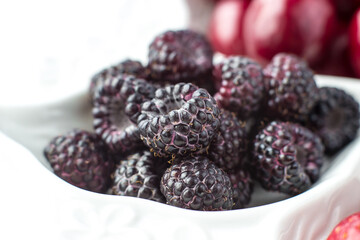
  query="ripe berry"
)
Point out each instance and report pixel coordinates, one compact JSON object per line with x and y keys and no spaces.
{"x":242,"y":87}
{"x":291,"y":88}
{"x":139,"y":176}
{"x":116,"y":96}
{"x":181,"y":120}
{"x":335,"y":118}
{"x":179,"y":56}
{"x":287,"y":157}
{"x":197,"y":183}
{"x":129,"y":67}
{"x":229,"y":147}
{"x":243,"y":187}
{"x":82,"y":159}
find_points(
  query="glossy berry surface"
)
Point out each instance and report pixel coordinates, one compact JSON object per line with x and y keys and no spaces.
{"x":139,"y":176}
{"x":229,"y":148}
{"x":291,"y":88}
{"x":128,"y":66}
{"x":179,"y":56}
{"x":335,"y":118}
{"x":242,"y":87}
{"x":182,"y":119}
{"x":125,"y":141}
{"x":197,"y":183}
{"x":287,"y":157}
{"x":82,"y":159}
{"x":243,"y":187}
{"x":117,"y":102}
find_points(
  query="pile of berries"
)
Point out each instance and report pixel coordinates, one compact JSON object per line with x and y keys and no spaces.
{"x":190,"y":133}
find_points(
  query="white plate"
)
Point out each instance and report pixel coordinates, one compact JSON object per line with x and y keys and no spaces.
{"x":36,"y":203}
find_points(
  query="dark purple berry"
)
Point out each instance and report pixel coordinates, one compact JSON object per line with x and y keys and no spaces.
{"x":182,"y":119}
{"x":243,"y":187}
{"x":82,"y":159}
{"x":125,"y":141}
{"x":291,"y":88}
{"x":116,"y":96}
{"x":242,"y":86}
{"x":217,"y":75}
{"x":229,"y":147}
{"x":129,"y":67}
{"x":335,"y":118}
{"x":287,"y":157}
{"x":139,"y":176}
{"x":179,"y":56}
{"x":197,"y":183}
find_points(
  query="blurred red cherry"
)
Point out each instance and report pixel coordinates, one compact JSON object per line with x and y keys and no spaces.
{"x":346,"y":8}
{"x":226,"y":26}
{"x":199,"y":13}
{"x":354,"y":41}
{"x":302,"y":27}
{"x":337,"y":57}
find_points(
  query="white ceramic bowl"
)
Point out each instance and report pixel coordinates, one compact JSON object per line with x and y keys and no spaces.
{"x":47,"y":207}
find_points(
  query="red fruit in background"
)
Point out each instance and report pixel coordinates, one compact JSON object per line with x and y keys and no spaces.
{"x":337,"y":57}
{"x":354,"y":41}
{"x":347,"y":229}
{"x":302,"y":27}
{"x":226,"y":26}
{"x":346,"y":8}
{"x":199,"y":14}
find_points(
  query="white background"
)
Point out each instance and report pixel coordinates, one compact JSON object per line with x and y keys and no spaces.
{"x":51,"y":47}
